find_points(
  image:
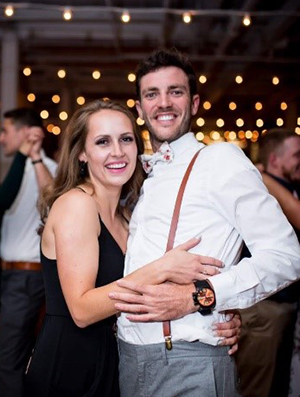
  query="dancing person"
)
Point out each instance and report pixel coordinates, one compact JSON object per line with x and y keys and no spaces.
{"x":22,"y":290}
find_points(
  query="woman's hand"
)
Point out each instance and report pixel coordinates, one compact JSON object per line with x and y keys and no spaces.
{"x":182,"y":267}
{"x":229,"y":331}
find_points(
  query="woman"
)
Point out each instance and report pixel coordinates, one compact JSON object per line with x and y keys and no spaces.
{"x":82,"y":250}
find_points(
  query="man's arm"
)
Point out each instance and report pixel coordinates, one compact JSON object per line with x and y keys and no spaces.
{"x":242,"y":199}
{"x":42,"y":173}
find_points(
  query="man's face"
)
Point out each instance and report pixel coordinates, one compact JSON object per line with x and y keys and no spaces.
{"x":11,"y":137}
{"x":166,"y":105}
{"x":289,"y":159}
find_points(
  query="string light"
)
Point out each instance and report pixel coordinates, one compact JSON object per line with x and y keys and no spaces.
{"x":283,"y":106}
{"x":239,"y":79}
{"x":31,"y":97}
{"x":50,"y":127}
{"x":125,"y":17}
{"x":200,"y":122}
{"x":215,"y":135}
{"x":131,"y":77}
{"x":56,"y":130}
{"x":298,"y":120}
{"x":206,"y":105}
{"x":258,"y":106}
{"x":232,"y":135}
{"x":63,"y":115}
{"x":61,"y":73}
{"x":248,"y":134}
{"x":27,"y":72}
{"x":9,"y":10}
{"x":44,"y":114}
{"x":199,"y":136}
{"x":67,"y":14}
{"x":96,"y":74}
{"x":259,"y":123}
{"x":232,"y":106}
{"x":187,"y":17}
{"x":202,"y":79}
{"x":279,"y":122}
{"x":55,"y":98}
{"x":80,"y":100}
{"x":220,"y":123}
{"x":247,"y":20}
{"x":140,"y":121}
{"x":297,"y":130}
{"x":240,"y":122}
{"x":130,"y":103}
{"x":275,"y":80}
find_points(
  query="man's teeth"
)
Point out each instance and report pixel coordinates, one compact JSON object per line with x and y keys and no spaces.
{"x":166,"y":117}
{"x":116,"y":166}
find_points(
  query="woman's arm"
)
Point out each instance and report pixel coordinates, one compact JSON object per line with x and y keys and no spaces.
{"x":289,"y":204}
{"x":76,"y":228}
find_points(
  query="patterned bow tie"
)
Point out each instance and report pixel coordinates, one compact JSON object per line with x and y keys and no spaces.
{"x":164,"y":155}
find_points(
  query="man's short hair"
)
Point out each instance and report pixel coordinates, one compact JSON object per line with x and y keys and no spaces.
{"x":163,"y":58}
{"x":24,"y":117}
{"x":273,"y":142}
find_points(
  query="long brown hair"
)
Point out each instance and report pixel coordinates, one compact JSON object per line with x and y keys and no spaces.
{"x":69,"y":175}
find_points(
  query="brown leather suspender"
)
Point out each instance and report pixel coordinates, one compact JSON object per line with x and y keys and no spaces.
{"x":171,"y":238}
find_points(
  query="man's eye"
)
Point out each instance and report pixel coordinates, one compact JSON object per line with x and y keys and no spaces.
{"x":150,"y":95}
{"x":177,"y":92}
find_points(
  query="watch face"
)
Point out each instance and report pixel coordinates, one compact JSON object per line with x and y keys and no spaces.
{"x":206,"y":297}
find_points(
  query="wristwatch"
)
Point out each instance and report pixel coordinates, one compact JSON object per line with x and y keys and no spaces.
{"x":204,"y":297}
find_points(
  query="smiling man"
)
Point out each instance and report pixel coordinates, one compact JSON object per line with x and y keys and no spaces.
{"x":225,"y":202}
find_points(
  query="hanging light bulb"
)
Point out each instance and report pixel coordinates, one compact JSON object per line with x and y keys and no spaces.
{"x":67,"y":14}
{"x":247,"y":20}
{"x":9,"y":10}
{"x":187,"y":17}
{"x":125,"y":17}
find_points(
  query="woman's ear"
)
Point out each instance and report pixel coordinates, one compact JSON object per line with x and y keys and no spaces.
{"x":82,"y":157}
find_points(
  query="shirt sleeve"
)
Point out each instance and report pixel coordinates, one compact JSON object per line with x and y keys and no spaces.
{"x":12,"y":182}
{"x":239,"y":194}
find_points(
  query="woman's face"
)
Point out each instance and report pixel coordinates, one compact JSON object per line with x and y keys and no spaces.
{"x":110,"y":148}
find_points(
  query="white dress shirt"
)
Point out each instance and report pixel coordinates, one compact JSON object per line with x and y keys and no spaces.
{"x":19,"y":238}
{"x":225,"y":202}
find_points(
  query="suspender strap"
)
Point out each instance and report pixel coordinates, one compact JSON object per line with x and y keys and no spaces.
{"x":171,"y":238}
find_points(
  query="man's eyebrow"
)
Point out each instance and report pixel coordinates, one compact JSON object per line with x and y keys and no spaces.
{"x":171,"y":87}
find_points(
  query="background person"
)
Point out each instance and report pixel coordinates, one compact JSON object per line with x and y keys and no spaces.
{"x":264,"y":358}
{"x":22,"y":291}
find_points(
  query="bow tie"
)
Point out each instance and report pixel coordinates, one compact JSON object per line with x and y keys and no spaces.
{"x":164,"y":155}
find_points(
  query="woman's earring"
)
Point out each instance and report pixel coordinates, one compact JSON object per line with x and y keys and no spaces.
{"x":82,"y":168}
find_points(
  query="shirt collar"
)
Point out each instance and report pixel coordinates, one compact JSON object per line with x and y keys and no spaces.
{"x":184,"y":143}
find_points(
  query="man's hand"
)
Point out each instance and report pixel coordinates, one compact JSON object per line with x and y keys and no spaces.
{"x":149,"y":303}
{"x":35,"y":136}
{"x":230,"y":330}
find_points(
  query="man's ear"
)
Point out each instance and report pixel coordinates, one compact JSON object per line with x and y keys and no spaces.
{"x":273,"y":160}
{"x":139,"y":109}
{"x":195,"y":104}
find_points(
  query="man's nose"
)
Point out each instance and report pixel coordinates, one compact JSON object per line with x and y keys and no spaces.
{"x":165,"y":101}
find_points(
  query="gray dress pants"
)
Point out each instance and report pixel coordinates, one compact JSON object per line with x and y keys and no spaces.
{"x":190,"y":369}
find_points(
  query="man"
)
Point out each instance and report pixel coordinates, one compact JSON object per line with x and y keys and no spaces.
{"x":266,"y":345}
{"x":225,"y":202}
{"x":22,"y":292}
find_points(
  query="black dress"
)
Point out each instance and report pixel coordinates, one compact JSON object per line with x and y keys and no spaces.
{"x":69,"y":361}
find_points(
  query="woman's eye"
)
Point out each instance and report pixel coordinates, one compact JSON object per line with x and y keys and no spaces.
{"x":128,"y":139}
{"x":102,"y":142}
